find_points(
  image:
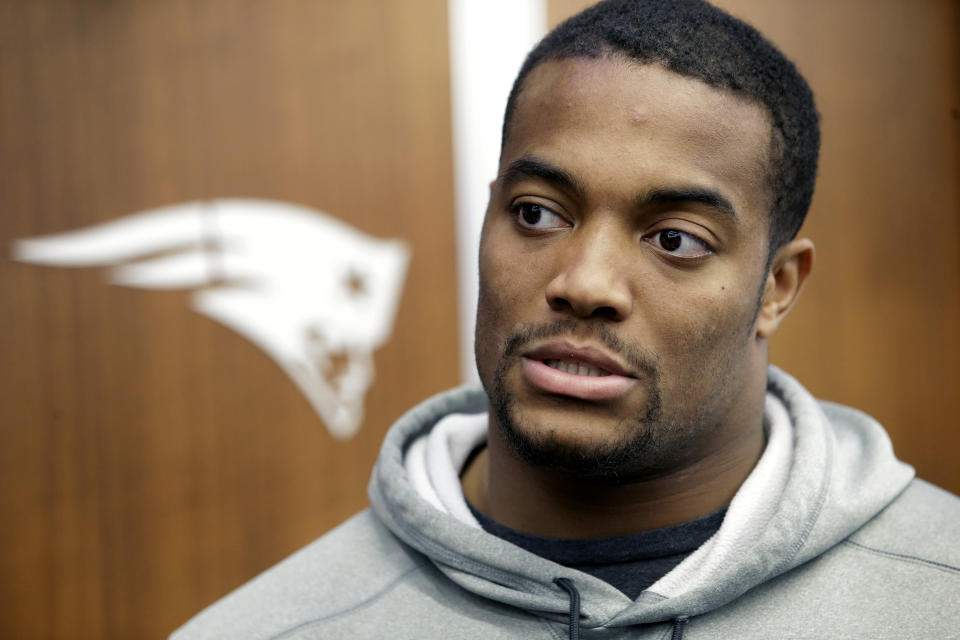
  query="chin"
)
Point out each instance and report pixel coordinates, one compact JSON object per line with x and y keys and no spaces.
{"x":556,"y":437}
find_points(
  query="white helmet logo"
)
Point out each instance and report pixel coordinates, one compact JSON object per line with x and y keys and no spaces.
{"x":312,"y":292}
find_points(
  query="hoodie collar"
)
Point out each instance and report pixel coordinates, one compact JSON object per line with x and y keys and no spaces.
{"x":826,"y":471}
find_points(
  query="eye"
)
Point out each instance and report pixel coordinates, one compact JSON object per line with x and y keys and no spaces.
{"x":537,"y":217}
{"x":679,"y":243}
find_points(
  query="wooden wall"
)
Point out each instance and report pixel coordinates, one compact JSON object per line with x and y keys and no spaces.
{"x":878,"y":325}
{"x":151,"y":460}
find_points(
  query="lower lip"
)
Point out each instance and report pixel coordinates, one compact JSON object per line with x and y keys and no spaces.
{"x":596,"y":388}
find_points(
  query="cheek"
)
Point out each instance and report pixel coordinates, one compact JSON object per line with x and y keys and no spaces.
{"x":495,"y":294}
{"x":707,"y":336}
{"x":511,"y":280}
{"x":497,"y":307}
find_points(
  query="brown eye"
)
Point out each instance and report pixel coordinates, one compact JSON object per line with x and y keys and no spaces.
{"x":536,"y":217}
{"x":531,"y":213}
{"x":671,"y":239}
{"x":679,"y":243}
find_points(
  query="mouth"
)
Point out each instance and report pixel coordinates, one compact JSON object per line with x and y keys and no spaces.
{"x":582,"y":372}
{"x":576,"y":368}
{"x":584,"y":360}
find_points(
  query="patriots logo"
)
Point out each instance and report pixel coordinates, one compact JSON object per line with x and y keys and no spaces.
{"x":315,"y":294}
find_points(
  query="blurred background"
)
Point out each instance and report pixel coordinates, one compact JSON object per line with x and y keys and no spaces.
{"x":152,"y":459}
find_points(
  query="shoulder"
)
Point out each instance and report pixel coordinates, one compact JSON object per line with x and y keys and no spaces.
{"x":350,"y":566}
{"x":920,"y":527}
{"x":897,"y":576}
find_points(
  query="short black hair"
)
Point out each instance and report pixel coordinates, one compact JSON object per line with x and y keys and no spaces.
{"x":695,"y":39}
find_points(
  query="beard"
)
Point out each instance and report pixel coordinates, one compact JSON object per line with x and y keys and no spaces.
{"x":640,"y":444}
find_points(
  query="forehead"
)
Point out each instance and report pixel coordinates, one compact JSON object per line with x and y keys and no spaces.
{"x":614,"y":118}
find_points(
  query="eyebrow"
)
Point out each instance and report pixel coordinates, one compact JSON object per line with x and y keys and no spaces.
{"x":707,"y":197}
{"x":530,"y":166}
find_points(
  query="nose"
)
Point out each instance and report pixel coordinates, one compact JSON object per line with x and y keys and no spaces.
{"x":591,"y":281}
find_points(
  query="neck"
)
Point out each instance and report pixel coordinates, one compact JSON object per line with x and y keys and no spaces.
{"x":548,"y":503}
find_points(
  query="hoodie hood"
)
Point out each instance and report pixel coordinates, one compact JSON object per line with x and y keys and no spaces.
{"x":825,"y":472}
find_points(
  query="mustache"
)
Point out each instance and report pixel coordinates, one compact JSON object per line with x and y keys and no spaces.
{"x":635,"y":357}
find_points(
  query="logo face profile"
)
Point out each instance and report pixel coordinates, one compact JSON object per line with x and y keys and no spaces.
{"x":315,"y":294}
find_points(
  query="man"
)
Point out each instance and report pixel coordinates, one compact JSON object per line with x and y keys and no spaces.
{"x":632,"y":466}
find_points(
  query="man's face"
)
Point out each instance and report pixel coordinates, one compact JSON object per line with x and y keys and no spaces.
{"x":621,"y":263}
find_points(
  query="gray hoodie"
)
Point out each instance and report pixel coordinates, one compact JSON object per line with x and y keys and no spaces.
{"x":829,"y":537}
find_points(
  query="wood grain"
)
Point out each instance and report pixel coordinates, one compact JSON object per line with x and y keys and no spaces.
{"x":150,"y":459}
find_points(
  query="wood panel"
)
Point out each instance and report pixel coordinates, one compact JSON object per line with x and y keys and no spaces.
{"x":151,"y":459}
{"x":878,"y":326}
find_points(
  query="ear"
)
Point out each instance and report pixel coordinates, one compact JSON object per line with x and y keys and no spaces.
{"x":788,"y":271}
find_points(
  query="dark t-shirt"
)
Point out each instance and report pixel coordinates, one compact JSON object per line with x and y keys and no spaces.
{"x":630,"y":563}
